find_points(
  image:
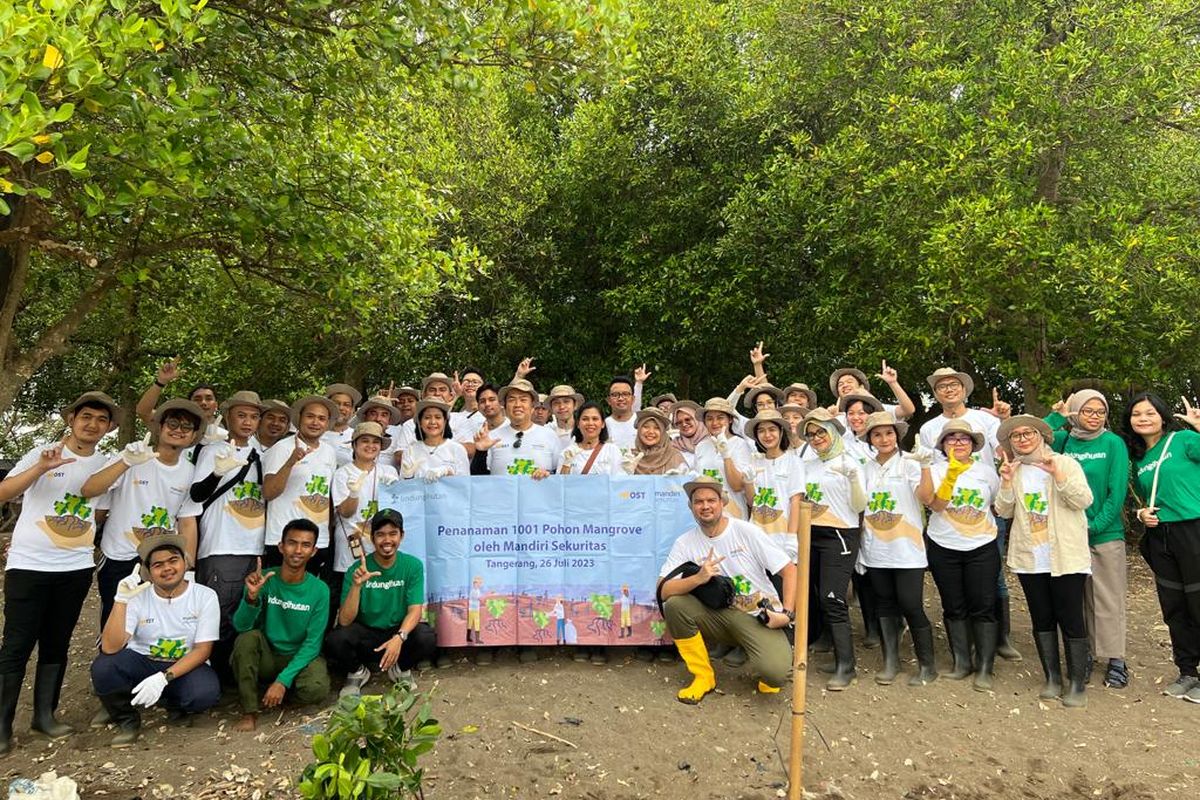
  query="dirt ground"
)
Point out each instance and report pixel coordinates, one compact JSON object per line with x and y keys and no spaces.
{"x":633,"y":740}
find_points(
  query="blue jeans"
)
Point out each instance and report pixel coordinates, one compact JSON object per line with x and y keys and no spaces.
{"x":193,"y":692}
{"x":561,"y":628}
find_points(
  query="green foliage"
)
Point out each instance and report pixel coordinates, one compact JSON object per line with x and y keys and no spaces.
{"x":73,"y":505}
{"x":602,"y":604}
{"x":317,"y":484}
{"x":522,"y":466}
{"x":969,"y":498}
{"x":765,"y":496}
{"x":813,"y":492}
{"x":247,"y":490}
{"x":659,"y":627}
{"x":157,"y":518}
{"x":1034,"y":502}
{"x":742,"y":584}
{"x":370,"y":747}
{"x":541,"y":619}
{"x":496,"y":606}
{"x":881,"y":501}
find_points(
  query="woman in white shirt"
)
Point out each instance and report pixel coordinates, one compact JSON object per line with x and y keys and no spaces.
{"x":778,"y":474}
{"x":435,"y":455}
{"x":723,"y":455}
{"x":893,"y":550}
{"x":592,"y":453}
{"x":355,"y":494}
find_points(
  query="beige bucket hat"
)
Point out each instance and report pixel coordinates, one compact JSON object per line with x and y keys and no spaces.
{"x":947,"y":372}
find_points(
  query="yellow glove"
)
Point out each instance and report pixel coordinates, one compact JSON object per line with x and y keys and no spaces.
{"x":946,"y":489}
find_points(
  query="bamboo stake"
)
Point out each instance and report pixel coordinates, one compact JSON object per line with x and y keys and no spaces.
{"x":800,"y":654}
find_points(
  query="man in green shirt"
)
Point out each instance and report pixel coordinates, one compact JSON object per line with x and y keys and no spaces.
{"x":281,"y":623}
{"x":379,"y":621}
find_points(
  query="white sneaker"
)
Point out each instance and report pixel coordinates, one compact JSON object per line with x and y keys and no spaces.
{"x":355,"y":681}
{"x":397,"y":675}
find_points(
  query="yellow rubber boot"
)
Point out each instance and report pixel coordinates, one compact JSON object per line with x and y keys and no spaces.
{"x":695,"y":655}
{"x":766,"y":688}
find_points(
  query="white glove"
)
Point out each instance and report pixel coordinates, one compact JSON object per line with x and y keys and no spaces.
{"x":354,"y":485}
{"x":630,"y":460}
{"x":921,"y":454}
{"x":408,"y":468}
{"x":388,"y":478}
{"x":721,"y":442}
{"x":437,"y":473}
{"x":148,"y":691}
{"x":131,"y":585}
{"x":214,"y":434}
{"x":227,"y":460}
{"x":844,"y":468}
{"x":138,"y":452}
{"x":673,"y":433}
{"x":571,"y":453}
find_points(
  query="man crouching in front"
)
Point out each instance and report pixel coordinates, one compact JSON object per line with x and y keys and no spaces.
{"x":740,"y":551}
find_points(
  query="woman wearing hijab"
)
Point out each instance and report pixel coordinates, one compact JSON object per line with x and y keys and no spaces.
{"x":833,"y":485}
{"x":1166,"y":468}
{"x":1105,"y":462}
{"x":961,"y":547}
{"x":592,"y":453}
{"x":687,"y":431}
{"x":1046,"y":495}
{"x":652,"y":453}
{"x":893,"y":550}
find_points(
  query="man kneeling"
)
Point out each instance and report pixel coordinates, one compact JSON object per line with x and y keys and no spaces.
{"x":281,"y":624}
{"x":739,"y":550}
{"x":156,"y":643}
{"x":379,"y":620}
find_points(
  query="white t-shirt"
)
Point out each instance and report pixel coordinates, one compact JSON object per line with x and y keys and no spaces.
{"x":829,"y":492}
{"x":707,"y":461}
{"x":566,"y":436}
{"x":144,"y":501}
{"x":979,"y":420}
{"x":538,"y":450}
{"x":342,"y":444}
{"x":464,"y":425}
{"x":622,"y":434}
{"x":775,"y":481}
{"x":608,"y":462}
{"x":167,"y":630}
{"x":56,"y":530}
{"x":894,"y":519}
{"x":235,"y":523}
{"x":306,"y":494}
{"x":967,"y":521}
{"x":1033,"y":493}
{"x":368,"y":504}
{"x":749,"y":554}
{"x":421,"y":458}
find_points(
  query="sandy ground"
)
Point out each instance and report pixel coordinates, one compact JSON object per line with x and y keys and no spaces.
{"x":633,"y":740}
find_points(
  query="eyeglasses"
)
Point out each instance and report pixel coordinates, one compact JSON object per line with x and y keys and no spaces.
{"x":817,"y":434}
{"x":957,"y":438}
{"x":620,"y":395}
{"x":1094,"y":413}
{"x":174,"y":424}
{"x":1024,"y":436}
{"x":517,"y":443}
{"x":947,"y":386}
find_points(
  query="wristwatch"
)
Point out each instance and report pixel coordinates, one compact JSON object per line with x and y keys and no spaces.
{"x":791,"y":615}
{"x":170,"y":676}
{"x":403,"y":634}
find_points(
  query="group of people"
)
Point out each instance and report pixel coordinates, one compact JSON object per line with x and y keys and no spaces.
{"x":248,"y":538}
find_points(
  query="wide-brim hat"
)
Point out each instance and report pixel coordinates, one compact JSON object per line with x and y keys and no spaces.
{"x":371,"y":429}
{"x":378,"y":401}
{"x":652,"y":413}
{"x":276,"y":405}
{"x":961,"y":426}
{"x":821,"y":414}
{"x":176,"y":404}
{"x":802,"y":388}
{"x":869,"y":401}
{"x":307,"y":400}
{"x":346,"y":389}
{"x":543,"y":400}
{"x":519,"y":385}
{"x":668,"y":397}
{"x":151,"y":543}
{"x":966,"y":380}
{"x":436,"y":377}
{"x":769,"y":415}
{"x":857,"y":373}
{"x":766,"y":388}
{"x":100,"y":398}
{"x":686,"y":405}
{"x":563,"y":390}
{"x":717,"y":405}
{"x":408,"y":390}
{"x":1004,"y":432}
{"x":704,"y":482}
{"x":243,"y":398}
{"x":438,"y":404}
{"x":881,"y":419}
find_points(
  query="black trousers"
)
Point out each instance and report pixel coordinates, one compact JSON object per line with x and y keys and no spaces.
{"x":1173,"y":552}
{"x":352,"y":646}
{"x":1056,"y":603}
{"x":868,"y":603}
{"x":834,"y":551}
{"x":225,"y":575}
{"x":107,"y":577}
{"x":966,"y":579}
{"x":900,"y":593}
{"x":42,"y":609}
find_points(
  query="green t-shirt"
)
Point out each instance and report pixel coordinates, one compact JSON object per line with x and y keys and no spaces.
{"x":384,"y":599}
{"x":1105,"y":463}
{"x":292,"y":616}
{"x":1178,"y":496}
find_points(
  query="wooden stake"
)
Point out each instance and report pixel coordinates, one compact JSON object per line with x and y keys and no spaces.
{"x":800,"y":654}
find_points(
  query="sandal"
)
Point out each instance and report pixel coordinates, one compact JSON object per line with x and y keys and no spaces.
{"x":1117,"y":676}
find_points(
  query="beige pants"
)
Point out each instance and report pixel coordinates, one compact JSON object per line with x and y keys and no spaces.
{"x":1104,"y":600}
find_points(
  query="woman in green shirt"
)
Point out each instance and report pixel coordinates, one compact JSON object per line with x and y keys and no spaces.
{"x":1166,"y":469}
{"x":1081,"y":432}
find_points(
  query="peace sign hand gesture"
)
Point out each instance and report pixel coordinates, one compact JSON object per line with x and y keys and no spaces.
{"x":255,"y":582}
{"x":709,"y":569}
{"x":525,"y":367}
{"x":168,"y":371}
{"x":1007,"y":467}
{"x":1191,"y":415}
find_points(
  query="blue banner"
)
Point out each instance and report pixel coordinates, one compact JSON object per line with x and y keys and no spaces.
{"x":570,"y":559}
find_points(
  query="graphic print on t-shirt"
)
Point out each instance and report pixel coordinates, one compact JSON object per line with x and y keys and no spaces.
{"x":766,"y":512}
{"x":315,"y":504}
{"x":247,"y":506}
{"x":522,"y":466}
{"x":886,"y":524}
{"x":966,"y":512}
{"x":746,"y":597}
{"x":70,"y":526}
{"x":169,"y":649}
{"x":154,"y":523}
{"x":1036,"y":505}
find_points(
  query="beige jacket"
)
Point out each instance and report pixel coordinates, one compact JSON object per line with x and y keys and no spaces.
{"x":1066,"y":526}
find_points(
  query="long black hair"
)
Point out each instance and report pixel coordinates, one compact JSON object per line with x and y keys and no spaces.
{"x":446,"y":434}
{"x":785,"y":435}
{"x":577,"y":434}
{"x":1134,"y":441}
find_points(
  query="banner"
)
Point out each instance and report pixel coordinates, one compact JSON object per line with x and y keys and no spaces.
{"x":571,"y":559}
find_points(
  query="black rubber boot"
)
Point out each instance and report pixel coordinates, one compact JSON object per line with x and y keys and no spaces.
{"x":122,"y":714}
{"x":958,"y":631}
{"x":10,"y":692}
{"x":1004,"y":647}
{"x":986,"y":634}
{"x":1047,"y":647}
{"x":889,"y":637}
{"x":843,"y":653}
{"x":47,"y":684}
{"x":823,"y":643}
{"x":1078,"y":652}
{"x":927,"y":666}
